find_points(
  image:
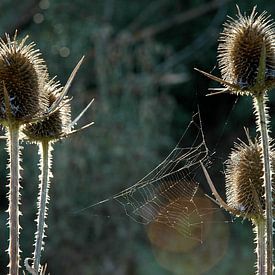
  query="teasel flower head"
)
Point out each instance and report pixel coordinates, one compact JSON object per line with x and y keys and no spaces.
{"x":245,"y":193}
{"x":244,"y":180}
{"x":23,"y":74}
{"x":246,"y":54}
{"x":246,"y":57}
{"x":57,"y":125}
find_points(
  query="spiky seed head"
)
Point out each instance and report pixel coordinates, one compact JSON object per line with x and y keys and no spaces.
{"x":244,"y":180}
{"x":57,"y":125}
{"x":242,"y":43}
{"x":23,"y":73}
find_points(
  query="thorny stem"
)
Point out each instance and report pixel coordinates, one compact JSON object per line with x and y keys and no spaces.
{"x":262,"y":123}
{"x":43,"y":198}
{"x":260,"y":227}
{"x":261,"y":246}
{"x":14,"y":199}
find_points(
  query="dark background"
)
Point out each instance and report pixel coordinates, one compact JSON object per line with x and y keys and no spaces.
{"x":139,"y":67}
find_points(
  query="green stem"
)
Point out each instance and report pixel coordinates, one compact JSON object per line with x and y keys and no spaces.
{"x":43,"y":198}
{"x":14,"y":199}
{"x":261,"y":246}
{"x":260,"y":105}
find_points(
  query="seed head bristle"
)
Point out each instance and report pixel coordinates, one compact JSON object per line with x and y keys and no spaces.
{"x":24,"y":73}
{"x":57,"y":124}
{"x":240,"y":48}
{"x":244,"y":180}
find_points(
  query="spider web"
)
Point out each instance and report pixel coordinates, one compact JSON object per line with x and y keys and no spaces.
{"x":170,"y":193}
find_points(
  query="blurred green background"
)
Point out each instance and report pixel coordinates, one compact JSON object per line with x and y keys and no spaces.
{"x":139,"y":65}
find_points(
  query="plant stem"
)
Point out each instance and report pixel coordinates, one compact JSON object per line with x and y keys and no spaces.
{"x":261,"y":246}
{"x":14,"y":197}
{"x":262,"y":124}
{"x":43,"y":198}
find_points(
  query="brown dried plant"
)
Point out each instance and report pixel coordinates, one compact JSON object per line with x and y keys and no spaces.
{"x":32,"y":103}
{"x":45,"y":133}
{"x":246,"y":57}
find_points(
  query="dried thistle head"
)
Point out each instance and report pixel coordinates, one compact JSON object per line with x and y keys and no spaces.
{"x":22,"y":78}
{"x":244,"y":180}
{"x":242,"y":44}
{"x":246,"y":55}
{"x":56,"y":125}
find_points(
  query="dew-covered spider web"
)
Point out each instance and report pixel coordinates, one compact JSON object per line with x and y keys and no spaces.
{"x":170,"y":193}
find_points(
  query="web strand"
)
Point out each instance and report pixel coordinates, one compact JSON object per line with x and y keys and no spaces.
{"x":166,"y":195}
{"x":170,"y":193}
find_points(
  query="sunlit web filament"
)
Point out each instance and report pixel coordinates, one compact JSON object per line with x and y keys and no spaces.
{"x":168,"y":193}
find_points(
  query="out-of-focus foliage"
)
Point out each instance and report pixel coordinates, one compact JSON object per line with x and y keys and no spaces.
{"x":139,"y":65}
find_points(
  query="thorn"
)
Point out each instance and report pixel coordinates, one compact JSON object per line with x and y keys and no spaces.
{"x":15,"y":35}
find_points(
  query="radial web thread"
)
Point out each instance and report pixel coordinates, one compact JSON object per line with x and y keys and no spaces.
{"x":167,"y":194}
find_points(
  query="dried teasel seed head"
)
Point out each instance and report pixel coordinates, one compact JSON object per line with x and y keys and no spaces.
{"x":244,"y":180}
{"x":56,"y":125}
{"x":23,"y":74}
{"x":242,"y":43}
